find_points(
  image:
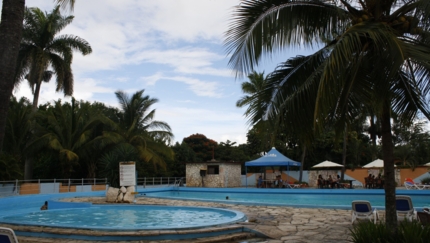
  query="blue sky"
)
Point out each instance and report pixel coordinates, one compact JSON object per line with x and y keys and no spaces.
{"x":171,"y":48}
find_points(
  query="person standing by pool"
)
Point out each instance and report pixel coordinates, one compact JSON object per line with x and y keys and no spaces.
{"x":259,"y":182}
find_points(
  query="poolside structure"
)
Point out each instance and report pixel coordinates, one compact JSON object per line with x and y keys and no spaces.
{"x":213,"y":174}
{"x":273,"y":158}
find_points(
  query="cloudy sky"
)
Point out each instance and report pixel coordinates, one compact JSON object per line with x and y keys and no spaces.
{"x":173,"y":49}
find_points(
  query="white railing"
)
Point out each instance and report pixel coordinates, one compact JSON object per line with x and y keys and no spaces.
{"x":158,"y":181}
{"x":43,"y":186}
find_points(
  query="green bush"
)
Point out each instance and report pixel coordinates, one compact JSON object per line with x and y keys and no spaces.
{"x":367,"y":232}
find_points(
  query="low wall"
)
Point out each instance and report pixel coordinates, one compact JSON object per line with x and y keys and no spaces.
{"x":43,"y":188}
{"x":29,"y":188}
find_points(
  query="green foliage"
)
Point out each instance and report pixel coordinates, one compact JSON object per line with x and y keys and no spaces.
{"x":10,"y":168}
{"x":202,"y":146}
{"x":18,"y":129}
{"x":42,"y":48}
{"x":66,"y":129}
{"x":110,"y":162}
{"x":367,"y":232}
{"x":426,"y":180}
{"x":137,"y":127}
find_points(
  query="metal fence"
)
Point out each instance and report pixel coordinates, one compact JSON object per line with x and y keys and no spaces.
{"x":160,"y":181}
{"x":44,"y":186}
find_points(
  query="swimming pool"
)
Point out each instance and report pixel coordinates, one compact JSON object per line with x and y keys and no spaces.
{"x":320,"y":198}
{"x":128,"y":217}
{"x":118,"y":222}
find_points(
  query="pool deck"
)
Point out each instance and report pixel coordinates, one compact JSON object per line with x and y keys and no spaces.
{"x":279,"y":223}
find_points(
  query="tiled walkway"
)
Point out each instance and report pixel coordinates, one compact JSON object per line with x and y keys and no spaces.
{"x":281,"y":224}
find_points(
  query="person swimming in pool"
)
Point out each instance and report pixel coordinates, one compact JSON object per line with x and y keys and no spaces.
{"x":44,"y":206}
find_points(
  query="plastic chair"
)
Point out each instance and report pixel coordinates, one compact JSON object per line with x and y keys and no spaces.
{"x":357,"y":184}
{"x":405,"y":208}
{"x":7,"y":235}
{"x":410,"y":184}
{"x":424,"y":218}
{"x":363,"y":210}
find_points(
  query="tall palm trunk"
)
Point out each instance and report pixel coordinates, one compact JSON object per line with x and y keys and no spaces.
{"x":12,"y":17}
{"x":36,"y":95}
{"x":388,"y":155}
{"x":302,"y":163}
{"x":345,"y":140}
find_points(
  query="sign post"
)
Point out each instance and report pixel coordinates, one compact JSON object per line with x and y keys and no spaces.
{"x":127,"y":173}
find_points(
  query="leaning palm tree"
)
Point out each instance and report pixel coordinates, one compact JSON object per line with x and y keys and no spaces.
{"x":136,"y":127}
{"x":377,"y":53}
{"x":42,"y":48}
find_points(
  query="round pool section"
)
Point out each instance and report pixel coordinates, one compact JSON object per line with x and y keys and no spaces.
{"x":128,"y":217}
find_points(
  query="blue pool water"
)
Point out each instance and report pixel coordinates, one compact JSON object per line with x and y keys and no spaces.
{"x":340,"y":199}
{"x":128,"y":217}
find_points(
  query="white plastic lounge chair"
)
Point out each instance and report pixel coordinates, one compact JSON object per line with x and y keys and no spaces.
{"x":357,"y":184}
{"x":410,"y":185}
{"x":404,"y":208}
{"x":7,"y":235}
{"x":363,"y":210}
{"x":291,"y":186}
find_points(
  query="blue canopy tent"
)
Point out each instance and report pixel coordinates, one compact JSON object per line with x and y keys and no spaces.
{"x":272,"y":158}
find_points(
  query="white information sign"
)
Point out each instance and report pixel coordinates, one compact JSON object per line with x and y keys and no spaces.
{"x":127,"y":174}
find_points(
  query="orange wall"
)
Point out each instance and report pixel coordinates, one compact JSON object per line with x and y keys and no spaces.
{"x":66,"y":188}
{"x":360,"y":173}
{"x":98,"y":188}
{"x":29,"y":188}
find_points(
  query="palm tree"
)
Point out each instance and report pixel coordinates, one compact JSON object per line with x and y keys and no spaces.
{"x":42,"y":48}
{"x":67,"y":130}
{"x":254,"y":100}
{"x":18,"y":128}
{"x":137,"y":127}
{"x":377,"y":53}
{"x":10,"y":37}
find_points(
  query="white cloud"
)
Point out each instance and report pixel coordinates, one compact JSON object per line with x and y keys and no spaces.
{"x":199,"y":87}
{"x":84,"y":89}
{"x":163,"y":42}
{"x":215,"y":124}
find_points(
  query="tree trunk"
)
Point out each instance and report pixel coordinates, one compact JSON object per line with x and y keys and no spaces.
{"x":12,"y":17}
{"x":29,"y":161}
{"x":36,"y":95}
{"x":302,"y":163}
{"x":389,"y":173}
{"x":345,"y":136}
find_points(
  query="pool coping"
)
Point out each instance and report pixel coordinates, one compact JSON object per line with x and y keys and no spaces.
{"x":59,"y":206}
{"x":103,"y":235}
{"x":142,"y":193}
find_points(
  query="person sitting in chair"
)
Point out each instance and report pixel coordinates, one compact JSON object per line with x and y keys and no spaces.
{"x":336,"y":182}
{"x":281,"y":182}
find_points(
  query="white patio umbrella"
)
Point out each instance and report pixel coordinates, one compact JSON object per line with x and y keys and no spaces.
{"x":327,"y":164}
{"x":378,"y":163}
